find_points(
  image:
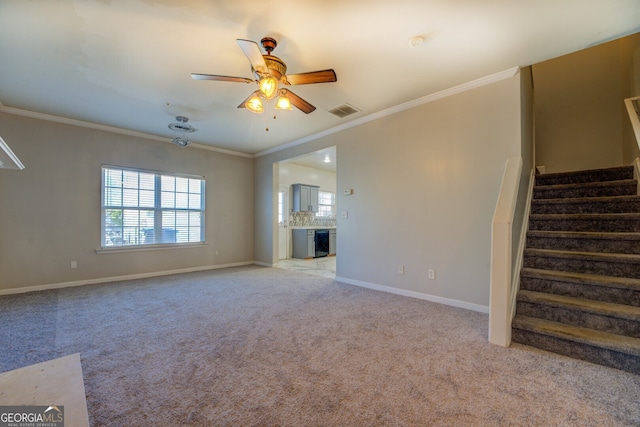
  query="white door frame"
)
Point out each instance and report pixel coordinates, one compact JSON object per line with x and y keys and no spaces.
{"x":283,"y":226}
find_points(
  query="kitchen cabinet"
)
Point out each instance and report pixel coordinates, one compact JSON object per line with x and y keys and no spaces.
{"x":304,"y":243}
{"x":305,"y":198}
{"x":332,"y":241}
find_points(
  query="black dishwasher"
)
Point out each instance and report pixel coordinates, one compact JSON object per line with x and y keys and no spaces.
{"x":322,"y":243}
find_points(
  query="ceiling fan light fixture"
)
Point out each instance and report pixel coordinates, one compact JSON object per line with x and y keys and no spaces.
{"x":268,"y":87}
{"x":254,"y":104}
{"x":269,"y":73}
{"x":283,"y":103}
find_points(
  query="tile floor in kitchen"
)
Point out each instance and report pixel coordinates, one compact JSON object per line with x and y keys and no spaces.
{"x":324,"y":266}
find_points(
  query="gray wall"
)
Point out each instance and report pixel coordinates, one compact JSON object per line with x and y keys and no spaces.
{"x":581,"y":120}
{"x":425,"y":184}
{"x":50,"y":211}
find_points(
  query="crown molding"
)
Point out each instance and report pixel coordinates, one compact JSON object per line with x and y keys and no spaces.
{"x":483,"y":81}
{"x":113,"y":129}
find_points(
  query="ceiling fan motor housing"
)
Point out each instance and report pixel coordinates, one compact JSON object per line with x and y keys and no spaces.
{"x":277,"y":67}
{"x":269,"y":44}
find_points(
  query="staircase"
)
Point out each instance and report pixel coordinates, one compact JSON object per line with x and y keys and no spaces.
{"x":580,"y":282}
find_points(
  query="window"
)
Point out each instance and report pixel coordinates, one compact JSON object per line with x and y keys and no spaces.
{"x":145,"y":208}
{"x":326,"y":204}
{"x":280,"y":207}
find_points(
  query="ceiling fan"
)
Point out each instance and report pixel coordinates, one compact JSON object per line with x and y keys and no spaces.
{"x":270,"y":72}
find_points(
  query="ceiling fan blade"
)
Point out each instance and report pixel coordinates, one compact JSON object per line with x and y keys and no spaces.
{"x":197,"y":76}
{"x":257,"y":92}
{"x":299,"y":103}
{"x":253,"y":54}
{"x":323,"y":76}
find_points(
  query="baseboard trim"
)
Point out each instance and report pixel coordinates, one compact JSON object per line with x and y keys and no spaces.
{"x":418,"y":295}
{"x":265,"y":264}
{"x":120,"y":278}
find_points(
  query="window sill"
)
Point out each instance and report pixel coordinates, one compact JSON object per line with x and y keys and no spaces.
{"x":120,"y":249}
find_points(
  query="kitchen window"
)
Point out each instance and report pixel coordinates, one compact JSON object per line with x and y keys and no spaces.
{"x":142,"y":208}
{"x":326,"y":204}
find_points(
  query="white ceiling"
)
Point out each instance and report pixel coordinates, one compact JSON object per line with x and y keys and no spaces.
{"x":127,"y":63}
{"x":318,"y":159}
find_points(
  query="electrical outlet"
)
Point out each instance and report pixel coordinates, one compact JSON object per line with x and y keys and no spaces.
{"x":74,"y":264}
{"x":401,"y":269}
{"x":345,"y":214}
{"x":432,"y":274}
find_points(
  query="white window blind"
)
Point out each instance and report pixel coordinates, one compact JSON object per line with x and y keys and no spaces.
{"x":145,"y":208}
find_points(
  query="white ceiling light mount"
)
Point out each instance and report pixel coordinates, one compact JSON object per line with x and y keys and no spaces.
{"x":183,"y":127}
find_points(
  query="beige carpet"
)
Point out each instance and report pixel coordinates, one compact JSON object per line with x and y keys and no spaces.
{"x":267,"y":347}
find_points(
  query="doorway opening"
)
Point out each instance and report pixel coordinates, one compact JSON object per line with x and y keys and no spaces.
{"x":306,"y":208}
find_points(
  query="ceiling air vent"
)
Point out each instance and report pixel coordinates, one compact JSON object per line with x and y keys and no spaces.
{"x":344,"y":110}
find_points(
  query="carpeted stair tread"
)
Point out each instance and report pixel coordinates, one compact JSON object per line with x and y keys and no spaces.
{"x":612,"y":216}
{"x":594,"y":256}
{"x":585,"y":234}
{"x":611,"y":204}
{"x":618,"y":290}
{"x":602,"y":174}
{"x":588,"y":189}
{"x":589,"y":306}
{"x":615,"y":342}
{"x":583,"y":278}
{"x":572,"y":185}
{"x":586,"y":241}
{"x":614,"y":223}
{"x":612,"y":264}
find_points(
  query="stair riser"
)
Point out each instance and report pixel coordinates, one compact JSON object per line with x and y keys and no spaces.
{"x":588,"y":266}
{"x":571,"y":316}
{"x":540,"y":207}
{"x":611,"y":246}
{"x":609,"y":225}
{"x":617,"y":174}
{"x":582,"y":290}
{"x":578,"y":192}
{"x":591,"y":354}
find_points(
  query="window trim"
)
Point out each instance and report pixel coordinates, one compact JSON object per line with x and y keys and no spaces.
{"x":157,"y":209}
